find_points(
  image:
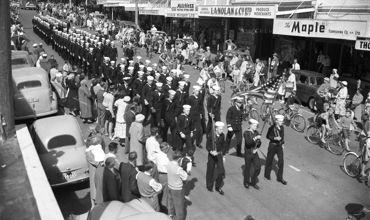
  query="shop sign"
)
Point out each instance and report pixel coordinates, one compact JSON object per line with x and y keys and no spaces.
{"x":183,"y":9}
{"x":146,"y":11}
{"x":347,"y":30}
{"x":267,"y":12}
{"x":362,"y":43}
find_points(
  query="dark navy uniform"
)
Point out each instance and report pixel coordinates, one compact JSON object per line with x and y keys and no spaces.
{"x":275,"y":147}
{"x":196,"y":116}
{"x":251,"y":158}
{"x":184,"y":126}
{"x":215,"y":143}
{"x":234,"y":120}
{"x":213,"y":107}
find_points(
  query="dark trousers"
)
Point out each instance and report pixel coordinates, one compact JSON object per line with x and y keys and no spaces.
{"x":209,"y":123}
{"x":319,"y":103}
{"x":177,"y":204}
{"x":238,"y":136}
{"x":252,"y":167}
{"x":187,"y":141}
{"x":272,"y":150}
{"x":218,"y":163}
{"x":198,"y":133}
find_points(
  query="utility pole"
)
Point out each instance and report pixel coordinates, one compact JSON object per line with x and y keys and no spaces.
{"x":137,"y":12}
{"x":6,"y":98}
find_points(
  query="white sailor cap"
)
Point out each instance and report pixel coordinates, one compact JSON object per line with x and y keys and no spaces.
{"x":155,"y":65}
{"x":147,"y":61}
{"x":131,"y":62}
{"x":163,"y":67}
{"x":173,"y":70}
{"x":279,"y":117}
{"x":186,"y":107}
{"x":138,"y":57}
{"x":34,"y":45}
{"x":172,"y":92}
{"x":216,"y":88}
{"x":140,"y":73}
{"x":169,"y":78}
{"x":200,"y":81}
{"x":150,"y":78}
{"x":182,"y":83}
{"x":219,"y":124}
{"x":186,"y":76}
{"x":112,"y":62}
{"x":44,"y":55}
{"x":141,"y":66}
{"x":123,"y":59}
{"x":149,"y":69}
{"x":253,"y":121}
{"x":130,"y":68}
{"x":139,"y":117}
{"x":196,"y":88}
{"x":159,"y":84}
{"x":126,"y":98}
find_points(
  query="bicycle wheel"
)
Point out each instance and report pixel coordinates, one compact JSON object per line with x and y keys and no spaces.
{"x":352,"y":164}
{"x":254,"y":114}
{"x":334,"y":144}
{"x":313,"y":134}
{"x":298,"y":123}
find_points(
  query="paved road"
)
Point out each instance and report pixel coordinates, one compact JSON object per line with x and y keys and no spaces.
{"x":317,"y":187}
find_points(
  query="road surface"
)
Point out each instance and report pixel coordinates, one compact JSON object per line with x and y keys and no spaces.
{"x":317,"y":187}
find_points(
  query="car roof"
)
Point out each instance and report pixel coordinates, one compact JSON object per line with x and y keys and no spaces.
{"x":19,"y":53}
{"x":309,"y":73}
{"x":29,"y":72}
{"x":47,"y":128}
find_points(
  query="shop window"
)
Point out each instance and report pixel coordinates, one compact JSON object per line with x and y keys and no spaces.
{"x":312,"y":80}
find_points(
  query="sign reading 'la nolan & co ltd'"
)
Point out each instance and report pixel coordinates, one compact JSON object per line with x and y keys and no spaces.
{"x":267,"y":12}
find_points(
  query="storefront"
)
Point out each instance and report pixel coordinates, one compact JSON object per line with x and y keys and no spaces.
{"x":247,"y":26}
{"x":182,"y":17}
{"x":305,"y":39}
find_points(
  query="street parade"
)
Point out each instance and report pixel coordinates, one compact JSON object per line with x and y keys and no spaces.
{"x":173,"y":124}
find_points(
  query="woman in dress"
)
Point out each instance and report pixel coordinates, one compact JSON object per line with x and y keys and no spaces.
{"x":84,"y":99}
{"x":137,"y":139}
{"x":72,"y":94}
{"x":120,"y":129}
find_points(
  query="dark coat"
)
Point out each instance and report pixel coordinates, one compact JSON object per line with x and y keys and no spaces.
{"x":234,"y":118}
{"x":129,"y":189}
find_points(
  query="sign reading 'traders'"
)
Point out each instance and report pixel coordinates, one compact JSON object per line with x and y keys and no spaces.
{"x":347,"y":30}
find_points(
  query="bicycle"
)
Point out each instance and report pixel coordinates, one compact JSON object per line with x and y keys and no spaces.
{"x":293,"y":118}
{"x":352,"y":164}
{"x":334,"y":142}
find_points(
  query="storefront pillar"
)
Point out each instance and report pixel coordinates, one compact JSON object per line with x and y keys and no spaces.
{"x":226,"y":32}
{"x":340,"y":58}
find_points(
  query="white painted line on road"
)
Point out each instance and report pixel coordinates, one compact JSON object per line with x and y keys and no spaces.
{"x":295,"y":168}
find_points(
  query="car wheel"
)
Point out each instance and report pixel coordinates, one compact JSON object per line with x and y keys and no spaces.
{"x":312,"y":104}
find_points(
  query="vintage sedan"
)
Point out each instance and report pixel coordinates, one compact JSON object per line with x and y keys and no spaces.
{"x":307,"y":84}
{"x":33,"y":95}
{"x":137,"y":209}
{"x":61,"y":148}
{"x":20,"y":59}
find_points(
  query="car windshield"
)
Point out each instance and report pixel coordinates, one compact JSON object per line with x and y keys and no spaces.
{"x":61,"y":141}
{"x":19,"y":61}
{"x":28,"y":84}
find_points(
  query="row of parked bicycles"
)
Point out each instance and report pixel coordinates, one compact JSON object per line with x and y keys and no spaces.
{"x":264,"y":110}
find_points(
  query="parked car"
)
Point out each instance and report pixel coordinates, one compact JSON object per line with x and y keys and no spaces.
{"x":30,"y":6}
{"x":307,"y":84}
{"x":61,"y":148}
{"x":136,"y":209}
{"x":20,"y":59}
{"x":33,"y":95}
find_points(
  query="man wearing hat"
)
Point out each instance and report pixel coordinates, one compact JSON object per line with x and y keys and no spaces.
{"x":129,"y":189}
{"x":252,"y":141}
{"x":234,"y":125}
{"x":185,"y":130}
{"x":214,"y":106}
{"x":137,"y":84}
{"x":216,"y":147}
{"x":274,"y":66}
{"x":196,"y":115}
{"x":181,"y":97}
{"x":158,"y":102}
{"x":340,"y":107}
{"x":112,"y":51}
{"x":167,"y":86}
{"x":169,"y":117}
{"x":147,"y":97}
{"x":275,"y":134}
